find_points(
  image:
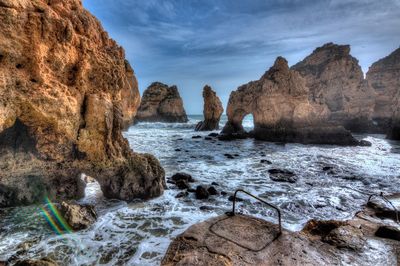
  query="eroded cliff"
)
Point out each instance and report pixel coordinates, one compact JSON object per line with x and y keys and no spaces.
{"x":161,"y":103}
{"x":66,"y":90}
{"x":383,"y":76}
{"x":282,"y":110}
{"x":212,"y":110}
{"x":336,"y":79}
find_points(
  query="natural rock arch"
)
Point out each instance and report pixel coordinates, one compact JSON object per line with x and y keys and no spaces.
{"x":282,"y":110}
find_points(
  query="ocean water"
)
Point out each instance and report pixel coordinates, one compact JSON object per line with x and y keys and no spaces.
{"x":139,"y":233}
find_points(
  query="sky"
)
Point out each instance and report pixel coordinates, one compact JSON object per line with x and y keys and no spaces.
{"x":227,"y":43}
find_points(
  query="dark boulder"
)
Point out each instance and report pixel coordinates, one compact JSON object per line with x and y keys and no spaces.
{"x":281,"y":175}
{"x":202,"y":193}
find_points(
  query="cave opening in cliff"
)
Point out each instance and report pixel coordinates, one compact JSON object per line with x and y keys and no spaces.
{"x":17,"y":139}
{"x":92,"y":188}
{"x":248,"y":122}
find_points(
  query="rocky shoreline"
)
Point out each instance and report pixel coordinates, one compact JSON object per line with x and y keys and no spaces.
{"x":244,"y":240}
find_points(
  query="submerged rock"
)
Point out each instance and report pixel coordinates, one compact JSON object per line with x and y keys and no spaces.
{"x":161,"y":103}
{"x":282,"y":111}
{"x":40,"y":262}
{"x":212,"y":110}
{"x":78,"y":216}
{"x":336,"y":80}
{"x":382,"y":76}
{"x":182,"y":176}
{"x":68,"y":93}
{"x":280,"y":175}
{"x":202,"y":193}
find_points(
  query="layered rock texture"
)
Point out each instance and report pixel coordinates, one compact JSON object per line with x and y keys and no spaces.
{"x":66,"y":90}
{"x":383,"y":76}
{"x":212,"y":110}
{"x":336,"y":79}
{"x":161,"y":103}
{"x":282,"y":110}
{"x":394,"y":128}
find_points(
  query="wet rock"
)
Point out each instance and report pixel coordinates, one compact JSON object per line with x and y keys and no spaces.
{"x":40,"y":262}
{"x":281,"y":175}
{"x":78,"y":216}
{"x":171,"y":182}
{"x":346,"y":237}
{"x":265,"y":161}
{"x":206,"y":208}
{"x":196,"y":137}
{"x":182,"y":176}
{"x":178,"y":150}
{"x":191,"y":190}
{"x":212,"y":110}
{"x":182,"y":184}
{"x":231,"y":198}
{"x":229,"y":156}
{"x":182,"y":195}
{"x":202,"y":193}
{"x":161,"y":103}
{"x":224,"y":193}
{"x":388,"y":232}
{"x":208,"y":138}
{"x":365,"y":143}
{"x":214,"y":184}
{"x":327,"y":168}
{"x":212,"y":191}
{"x":214,"y":135}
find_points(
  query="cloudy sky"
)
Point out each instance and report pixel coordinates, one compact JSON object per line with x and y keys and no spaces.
{"x":226,"y":43}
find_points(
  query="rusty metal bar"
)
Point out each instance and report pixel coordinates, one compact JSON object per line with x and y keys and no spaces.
{"x":233,"y":212}
{"x":386,"y":200}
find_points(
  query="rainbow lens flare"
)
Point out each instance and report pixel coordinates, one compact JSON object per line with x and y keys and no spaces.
{"x":55,"y":219}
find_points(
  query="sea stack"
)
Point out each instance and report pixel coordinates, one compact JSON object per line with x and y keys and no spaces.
{"x":161,"y":103}
{"x":212,"y":110}
{"x":336,"y":79}
{"x":66,"y":90}
{"x":383,"y":77}
{"x":282,"y":110}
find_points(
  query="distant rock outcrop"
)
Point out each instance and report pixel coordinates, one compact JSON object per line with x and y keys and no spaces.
{"x":161,"y":103}
{"x":66,"y":90}
{"x":212,"y":110}
{"x":383,"y":76}
{"x":282,"y":110}
{"x":336,"y":79}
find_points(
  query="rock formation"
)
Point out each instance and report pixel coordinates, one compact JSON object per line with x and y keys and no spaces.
{"x":161,"y":103}
{"x":212,"y":110}
{"x":336,"y":79}
{"x":282,"y":110}
{"x":78,"y":216}
{"x":244,"y":240}
{"x":65,"y":92}
{"x":383,"y":76}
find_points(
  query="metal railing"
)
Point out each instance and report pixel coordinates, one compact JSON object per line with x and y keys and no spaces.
{"x":386,"y":200}
{"x":233,"y":212}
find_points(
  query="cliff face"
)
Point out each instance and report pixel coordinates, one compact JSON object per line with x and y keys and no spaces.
{"x":383,"y":76}
{"x":282,"y":110}
{"x":336,"y":79}
{"x":65,"y":92}
{"x":212,"y":110}
{"x":161,"y":103}
{"x":394,"y":128}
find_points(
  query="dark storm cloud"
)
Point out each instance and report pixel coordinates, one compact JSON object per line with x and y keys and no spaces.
{"x":226,"y":43}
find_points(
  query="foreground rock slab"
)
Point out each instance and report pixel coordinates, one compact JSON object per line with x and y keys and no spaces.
{"x":78,"y":216}
{"x":246,"y":240}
